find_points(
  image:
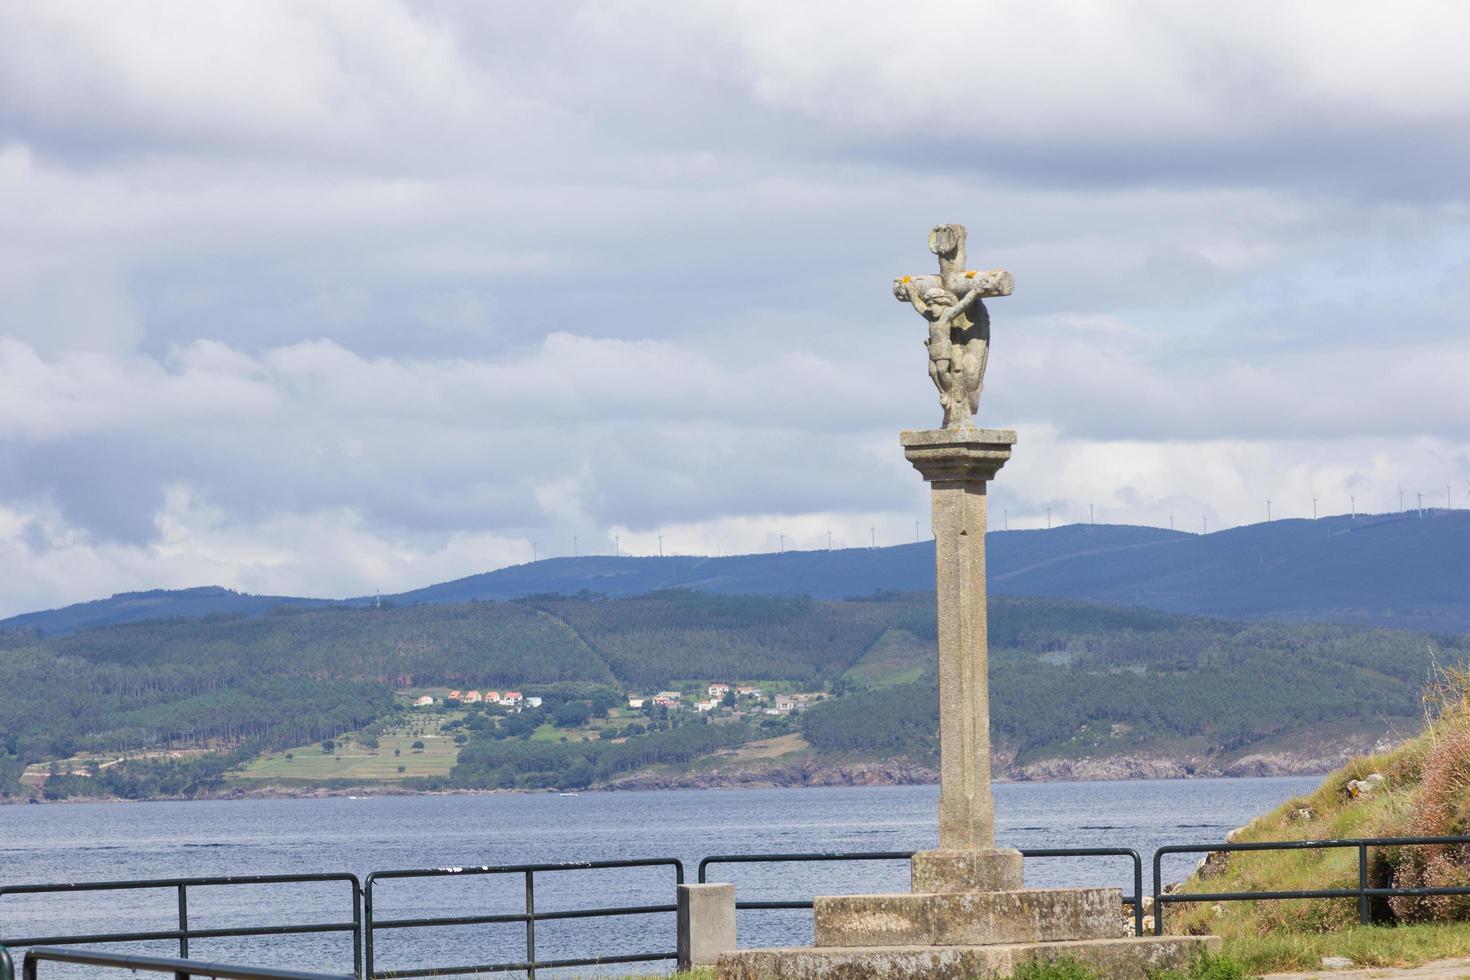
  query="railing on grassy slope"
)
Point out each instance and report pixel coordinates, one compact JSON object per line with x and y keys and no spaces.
{"x":1362,"y":893}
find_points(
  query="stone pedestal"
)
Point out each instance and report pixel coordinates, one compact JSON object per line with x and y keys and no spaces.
{"x":958,"y":465}
{"x":969,"y":913}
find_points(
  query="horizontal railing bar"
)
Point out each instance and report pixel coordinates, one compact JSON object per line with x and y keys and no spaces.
{"x":794,"y":904}
{"x":504,"y":917}
{"x":446,"y":971}
{"x":518,"y":868}
{"x":1186,"y":897}
{"x":458,"y":920}
{"x":159,"y":964}
{"x":1296,"y":845}
{"x":73,"y":886}
{"x":598,"y":913}
{"x":127,"y":937}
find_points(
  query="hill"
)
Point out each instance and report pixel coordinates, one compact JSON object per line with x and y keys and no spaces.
{"x":1387,"y":570}
{"x":1078,"y":690}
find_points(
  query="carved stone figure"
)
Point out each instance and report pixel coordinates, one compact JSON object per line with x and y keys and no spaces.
{"x":959,"y":324}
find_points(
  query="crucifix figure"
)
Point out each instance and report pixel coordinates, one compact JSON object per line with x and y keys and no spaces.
{"x":959,"y":325}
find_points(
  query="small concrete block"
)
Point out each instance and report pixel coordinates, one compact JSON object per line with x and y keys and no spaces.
{"x":706,"y":920}
{"x":1037,"y":915}
{"x":1112,"y":959}
{"x":992,"y":870}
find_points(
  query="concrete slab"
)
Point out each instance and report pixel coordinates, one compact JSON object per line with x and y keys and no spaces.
{"x":1036,"y":915}
{"x":992,"y":869}
{"x":1113,"y":959}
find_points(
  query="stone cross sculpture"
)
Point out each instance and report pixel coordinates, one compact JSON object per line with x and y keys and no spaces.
{"x":959,"y":325}
{"x":968,"y":912}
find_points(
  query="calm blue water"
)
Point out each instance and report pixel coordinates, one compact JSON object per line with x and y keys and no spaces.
{"x":94,"y":842}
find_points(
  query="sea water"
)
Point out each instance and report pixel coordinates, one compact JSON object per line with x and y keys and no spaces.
{"x":113,"y":841}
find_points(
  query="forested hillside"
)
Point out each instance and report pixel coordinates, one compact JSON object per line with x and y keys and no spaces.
{"x":1068,"y":679}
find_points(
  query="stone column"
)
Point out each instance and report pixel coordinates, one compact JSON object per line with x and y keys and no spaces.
{"x":958,"y":464}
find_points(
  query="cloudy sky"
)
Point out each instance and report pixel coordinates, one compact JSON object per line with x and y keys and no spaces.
{"x":327,"y":297}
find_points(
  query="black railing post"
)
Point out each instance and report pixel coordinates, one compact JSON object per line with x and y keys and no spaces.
{"x":1158,"y":887}
{"x":367,"y":928}
{"x":357,"y":930}
{"x":1137,"y":895}
{"x":1363,"y":884}
{"x":183,"y":928}
{"x":530,"y":924}
{"x":7,"y":965}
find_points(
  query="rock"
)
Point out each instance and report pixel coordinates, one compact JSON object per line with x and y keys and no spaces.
{"x":1212,"y":865}
{"x":1303,"y":814}
{"x":1234,"y":835}
{"x":1336,"y":962}
{"x":1364,"y":787}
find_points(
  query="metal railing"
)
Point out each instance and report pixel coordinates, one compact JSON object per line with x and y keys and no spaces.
{"x":160,"y":964}
{"x":530,"y":916}
{"x":1134,"y":900}
{"x":185,"y":932}
{"x":365,"y":924}
{"x":1362,"y":893}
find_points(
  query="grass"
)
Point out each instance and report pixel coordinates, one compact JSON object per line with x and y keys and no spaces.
{"x":898,"y":657}
{"x":352,"y":761}
{"x":1425,"y":790}
{"x":1373,"y":946}
{"x":1206,"y":966}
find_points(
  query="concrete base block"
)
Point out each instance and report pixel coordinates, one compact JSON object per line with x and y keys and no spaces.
{"x":706,"y":921}
{"x":1113,"y":959}
{"x":1037,"y":915}
{"x":993,"y":870}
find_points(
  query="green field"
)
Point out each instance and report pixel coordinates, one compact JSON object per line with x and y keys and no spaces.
{"x":899,"y":657}
{"x":352,"y":760}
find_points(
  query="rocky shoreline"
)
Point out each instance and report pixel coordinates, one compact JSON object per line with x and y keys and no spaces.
{"x":819,"y":773}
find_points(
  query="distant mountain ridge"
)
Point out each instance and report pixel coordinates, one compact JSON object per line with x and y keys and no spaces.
{"x":1399,"y":570}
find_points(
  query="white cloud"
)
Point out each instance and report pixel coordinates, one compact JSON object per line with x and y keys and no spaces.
{"x":368,"y":294}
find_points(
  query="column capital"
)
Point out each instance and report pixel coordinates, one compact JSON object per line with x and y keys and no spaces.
{"x":958,"y":455}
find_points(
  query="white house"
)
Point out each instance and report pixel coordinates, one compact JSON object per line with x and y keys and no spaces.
{"x":705,"y":705}
{"x":471,"y":697}
{"x":636,"y":703}
{"x":719,"y":690}
{"x":534,"y":702}
{"x":423,"y":701}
